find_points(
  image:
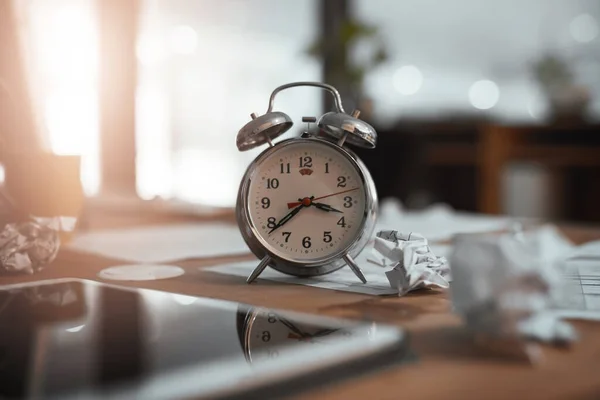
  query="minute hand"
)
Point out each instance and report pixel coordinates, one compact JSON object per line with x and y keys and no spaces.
{"x":287,"y":217}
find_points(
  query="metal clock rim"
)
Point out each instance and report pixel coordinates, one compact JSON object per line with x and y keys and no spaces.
{"x":318,"y":266}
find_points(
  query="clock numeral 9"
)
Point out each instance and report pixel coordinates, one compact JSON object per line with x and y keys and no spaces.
{"x":271,"y":222}
{"x":266,"y":202}
{"x":342,"y":222}
{"x":327,"y":237}
{"x":305,"y":161}
{"x":287,"y":235}
{"x":272,"y":183}
{"x":266,"y":336}
{"x":341,"y":181}
{"x":347,"y":202}
{"x":306,"y":242}
{"x":284,"y":168}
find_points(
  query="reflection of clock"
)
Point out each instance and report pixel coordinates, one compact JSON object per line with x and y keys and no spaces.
{"x":265,"y":334}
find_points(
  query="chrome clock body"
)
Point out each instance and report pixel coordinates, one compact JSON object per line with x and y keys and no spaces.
{"x":339,"y":129}
{"x":288,"y":263}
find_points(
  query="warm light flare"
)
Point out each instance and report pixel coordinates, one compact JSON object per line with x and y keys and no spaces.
{"x":64,"y":45}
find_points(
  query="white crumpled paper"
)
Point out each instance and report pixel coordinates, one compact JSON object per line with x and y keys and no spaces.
{"x":414,"y":264}
{"x":28,"y":246}
{"x":505,"y":285}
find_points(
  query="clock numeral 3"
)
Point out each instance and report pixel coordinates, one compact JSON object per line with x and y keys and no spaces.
{"x":341,"y":181}
{"x":287,"y":235}
{"x":266,"y":202}
{"x":271,"y":222}
{"x":347,"y":202}
{"x":272,"y":183}
{"x":285,"y":168}
{"x":342,"y":222}
{"x":305,"y":161}
{"x":306,"y":242}
{"x":327,"y":237}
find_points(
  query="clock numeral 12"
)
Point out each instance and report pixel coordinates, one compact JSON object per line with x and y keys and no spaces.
{"x":305,"y":161}
{"x":326,"y":167}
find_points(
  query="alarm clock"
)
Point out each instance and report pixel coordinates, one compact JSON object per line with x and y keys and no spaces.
{"x":265,"y":334}
{"x":307,"y":206}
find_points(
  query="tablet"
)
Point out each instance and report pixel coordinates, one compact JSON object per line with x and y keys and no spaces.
{"x":83,"y":339}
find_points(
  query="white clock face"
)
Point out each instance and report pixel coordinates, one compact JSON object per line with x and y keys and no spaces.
{"x":307,"y":201}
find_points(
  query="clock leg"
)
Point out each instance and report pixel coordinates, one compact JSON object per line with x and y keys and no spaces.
{"x":355,"y":268}
{"x":259,"y":269}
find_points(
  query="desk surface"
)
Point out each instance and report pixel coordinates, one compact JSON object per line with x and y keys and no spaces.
{"x":447,"y":365}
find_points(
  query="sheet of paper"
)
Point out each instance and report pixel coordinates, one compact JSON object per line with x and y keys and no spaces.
{"x":438,"y":222}
{"x":342,"y":279}
{"x":587,"y":251}
{"x":583,"y":288}
{"x":161,"y":244}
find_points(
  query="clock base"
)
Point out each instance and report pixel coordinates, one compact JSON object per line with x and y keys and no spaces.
{"x":267,"y":259}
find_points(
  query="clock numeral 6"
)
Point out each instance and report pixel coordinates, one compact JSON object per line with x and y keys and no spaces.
{"x":287,"y":235}
{"x":347,"y":202}
{"x":306,"y":242}
{"x":266,"y":202}
{"x":271,"y":222}
{"x":327,"y":237}
{"x":272,"y":183}
{"x":266,"y":336}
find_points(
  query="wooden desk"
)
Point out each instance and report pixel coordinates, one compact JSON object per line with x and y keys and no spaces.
{"x":447,"y":365}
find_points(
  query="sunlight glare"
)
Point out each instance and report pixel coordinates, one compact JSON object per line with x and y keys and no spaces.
{"x":65,"y":47}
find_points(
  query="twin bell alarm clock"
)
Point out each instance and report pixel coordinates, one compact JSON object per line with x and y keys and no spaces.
{"x":307,"y":206}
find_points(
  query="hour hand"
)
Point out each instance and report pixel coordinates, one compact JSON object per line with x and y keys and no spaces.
{"x":326,"y":207}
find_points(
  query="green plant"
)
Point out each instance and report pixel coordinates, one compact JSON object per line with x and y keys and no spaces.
{"x":342,"y":70}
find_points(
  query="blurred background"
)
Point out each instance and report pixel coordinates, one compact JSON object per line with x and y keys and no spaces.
{"x":490,"y":106}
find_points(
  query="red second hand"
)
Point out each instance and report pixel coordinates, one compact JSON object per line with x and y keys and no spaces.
{"x":297,"y":203}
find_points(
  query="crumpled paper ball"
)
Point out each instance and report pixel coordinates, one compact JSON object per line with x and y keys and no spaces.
{"x":504,"y":285}
{"x":27,"y":247}
{"x":414,"y":264}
